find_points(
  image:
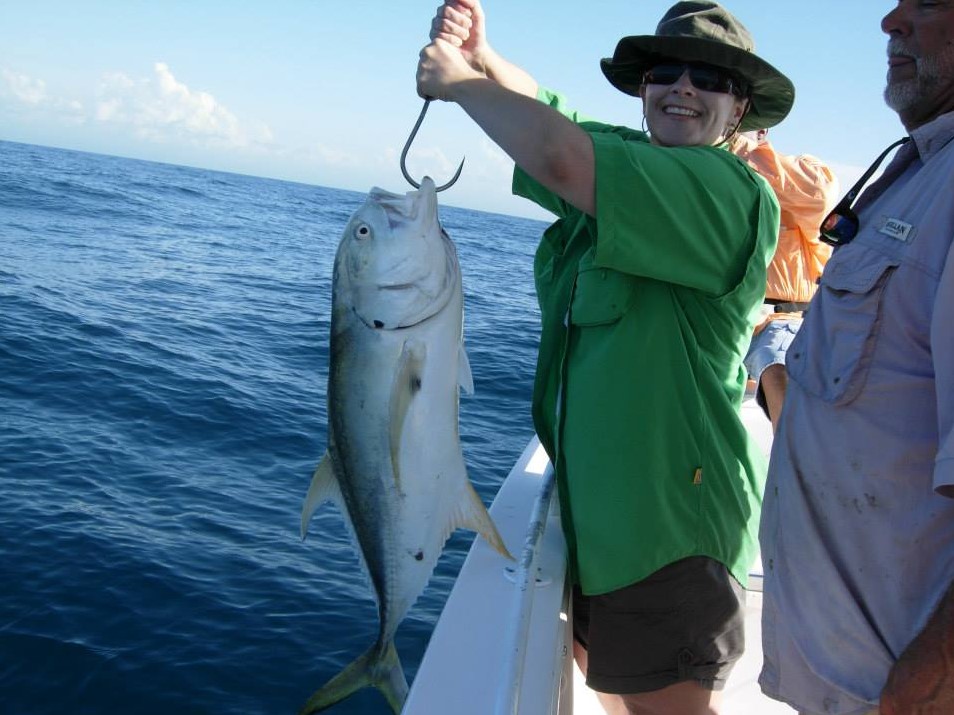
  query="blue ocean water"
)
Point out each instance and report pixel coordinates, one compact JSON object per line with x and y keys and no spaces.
{"x":163,"y":359}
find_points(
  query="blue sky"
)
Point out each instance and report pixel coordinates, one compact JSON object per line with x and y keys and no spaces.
{"x":322,"y":92}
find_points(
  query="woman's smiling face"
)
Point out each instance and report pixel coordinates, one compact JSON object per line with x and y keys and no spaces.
{"x":679,"y":114}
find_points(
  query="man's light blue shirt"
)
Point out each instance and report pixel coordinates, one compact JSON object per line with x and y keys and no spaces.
{"x":857,"y":529}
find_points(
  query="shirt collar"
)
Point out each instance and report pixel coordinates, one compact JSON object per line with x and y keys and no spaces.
{"x":930,"y":138}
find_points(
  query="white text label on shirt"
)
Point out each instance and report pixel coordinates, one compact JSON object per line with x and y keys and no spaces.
{"x":896,"y":229}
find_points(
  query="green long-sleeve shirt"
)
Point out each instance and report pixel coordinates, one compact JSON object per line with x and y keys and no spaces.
{"x":647,"y":312}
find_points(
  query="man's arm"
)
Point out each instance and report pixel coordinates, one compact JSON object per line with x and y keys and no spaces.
{"x":922,"y":681}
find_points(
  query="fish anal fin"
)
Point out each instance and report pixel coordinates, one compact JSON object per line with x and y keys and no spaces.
{"x":406,"y":386}
{"x":324,"y":487}
{"x":465,"y":378}
{"x":472,"y":514}
{"x":377,"y":667}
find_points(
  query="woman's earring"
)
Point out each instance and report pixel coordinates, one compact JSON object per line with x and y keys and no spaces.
{"x":645,"y":128}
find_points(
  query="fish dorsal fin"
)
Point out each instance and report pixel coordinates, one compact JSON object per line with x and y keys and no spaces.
{"x":407,"y":383}
{"x":465,"y":377}
{"x":472,"y":514}
{"x":324,"y":487}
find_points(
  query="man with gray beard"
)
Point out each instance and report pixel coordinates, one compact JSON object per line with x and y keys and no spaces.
{"x":857,"y":528}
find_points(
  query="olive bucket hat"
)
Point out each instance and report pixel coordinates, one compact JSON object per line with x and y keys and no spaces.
{"x":705,"y":32}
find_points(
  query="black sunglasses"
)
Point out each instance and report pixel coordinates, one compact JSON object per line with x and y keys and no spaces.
{"x":841,"y":225}
{"x":702,"y":76}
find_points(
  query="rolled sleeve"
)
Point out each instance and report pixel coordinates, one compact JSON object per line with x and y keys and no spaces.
{"x":527,"y":187}
{"x":700,"y":209}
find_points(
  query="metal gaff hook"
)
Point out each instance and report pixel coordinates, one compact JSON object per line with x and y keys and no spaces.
{"x":407,"y":146}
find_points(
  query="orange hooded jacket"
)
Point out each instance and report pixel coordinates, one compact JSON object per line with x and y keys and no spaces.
{"x":806,"y":190}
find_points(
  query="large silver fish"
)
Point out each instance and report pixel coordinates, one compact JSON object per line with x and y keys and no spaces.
{"x":394,"y":463}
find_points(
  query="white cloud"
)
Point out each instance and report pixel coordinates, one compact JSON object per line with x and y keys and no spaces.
{"x":157,"y":108}
{"x":160,"y":108}
{"x":334,"y":157}
{"x":28,"y":97}
{"x":22,"y":88}
{"x":495,"y":161}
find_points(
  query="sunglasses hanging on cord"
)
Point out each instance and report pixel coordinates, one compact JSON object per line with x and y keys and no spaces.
{"x":841,"y":225}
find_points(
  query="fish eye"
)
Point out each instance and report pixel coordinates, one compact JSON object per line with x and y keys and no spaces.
{"x":362,"y":230}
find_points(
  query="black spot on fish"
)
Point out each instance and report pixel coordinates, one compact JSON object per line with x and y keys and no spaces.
{"x":378,"y":324}
{"x":415,"y":383}
{"x":419,"y":556}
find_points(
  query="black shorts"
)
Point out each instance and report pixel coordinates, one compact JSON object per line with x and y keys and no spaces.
{"x":684,"y":622}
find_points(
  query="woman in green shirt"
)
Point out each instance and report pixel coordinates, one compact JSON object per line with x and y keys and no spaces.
{"x":649,"y":283}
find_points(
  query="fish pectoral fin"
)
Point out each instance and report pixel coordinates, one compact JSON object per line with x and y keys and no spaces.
{"x":472,"y":514}
{"x":324,"y":487}
{"x":381,"y":669}
{"x":465,"y":378}
{"x":407,"y":383}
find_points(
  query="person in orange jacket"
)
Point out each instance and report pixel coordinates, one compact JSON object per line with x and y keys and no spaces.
{"x":806,"y":190}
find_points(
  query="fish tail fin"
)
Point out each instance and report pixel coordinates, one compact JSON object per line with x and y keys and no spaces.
{"x":390,"y":679}
{"x":474,"y":516}
{"x":324,"y":486}
{"x":379,"y":668}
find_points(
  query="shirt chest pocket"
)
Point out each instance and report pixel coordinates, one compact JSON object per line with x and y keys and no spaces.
{"x":601,"y":296}
{"x":832,"y":352}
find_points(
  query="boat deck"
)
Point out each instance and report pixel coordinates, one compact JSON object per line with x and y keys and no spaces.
{"x":741,"y":696}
